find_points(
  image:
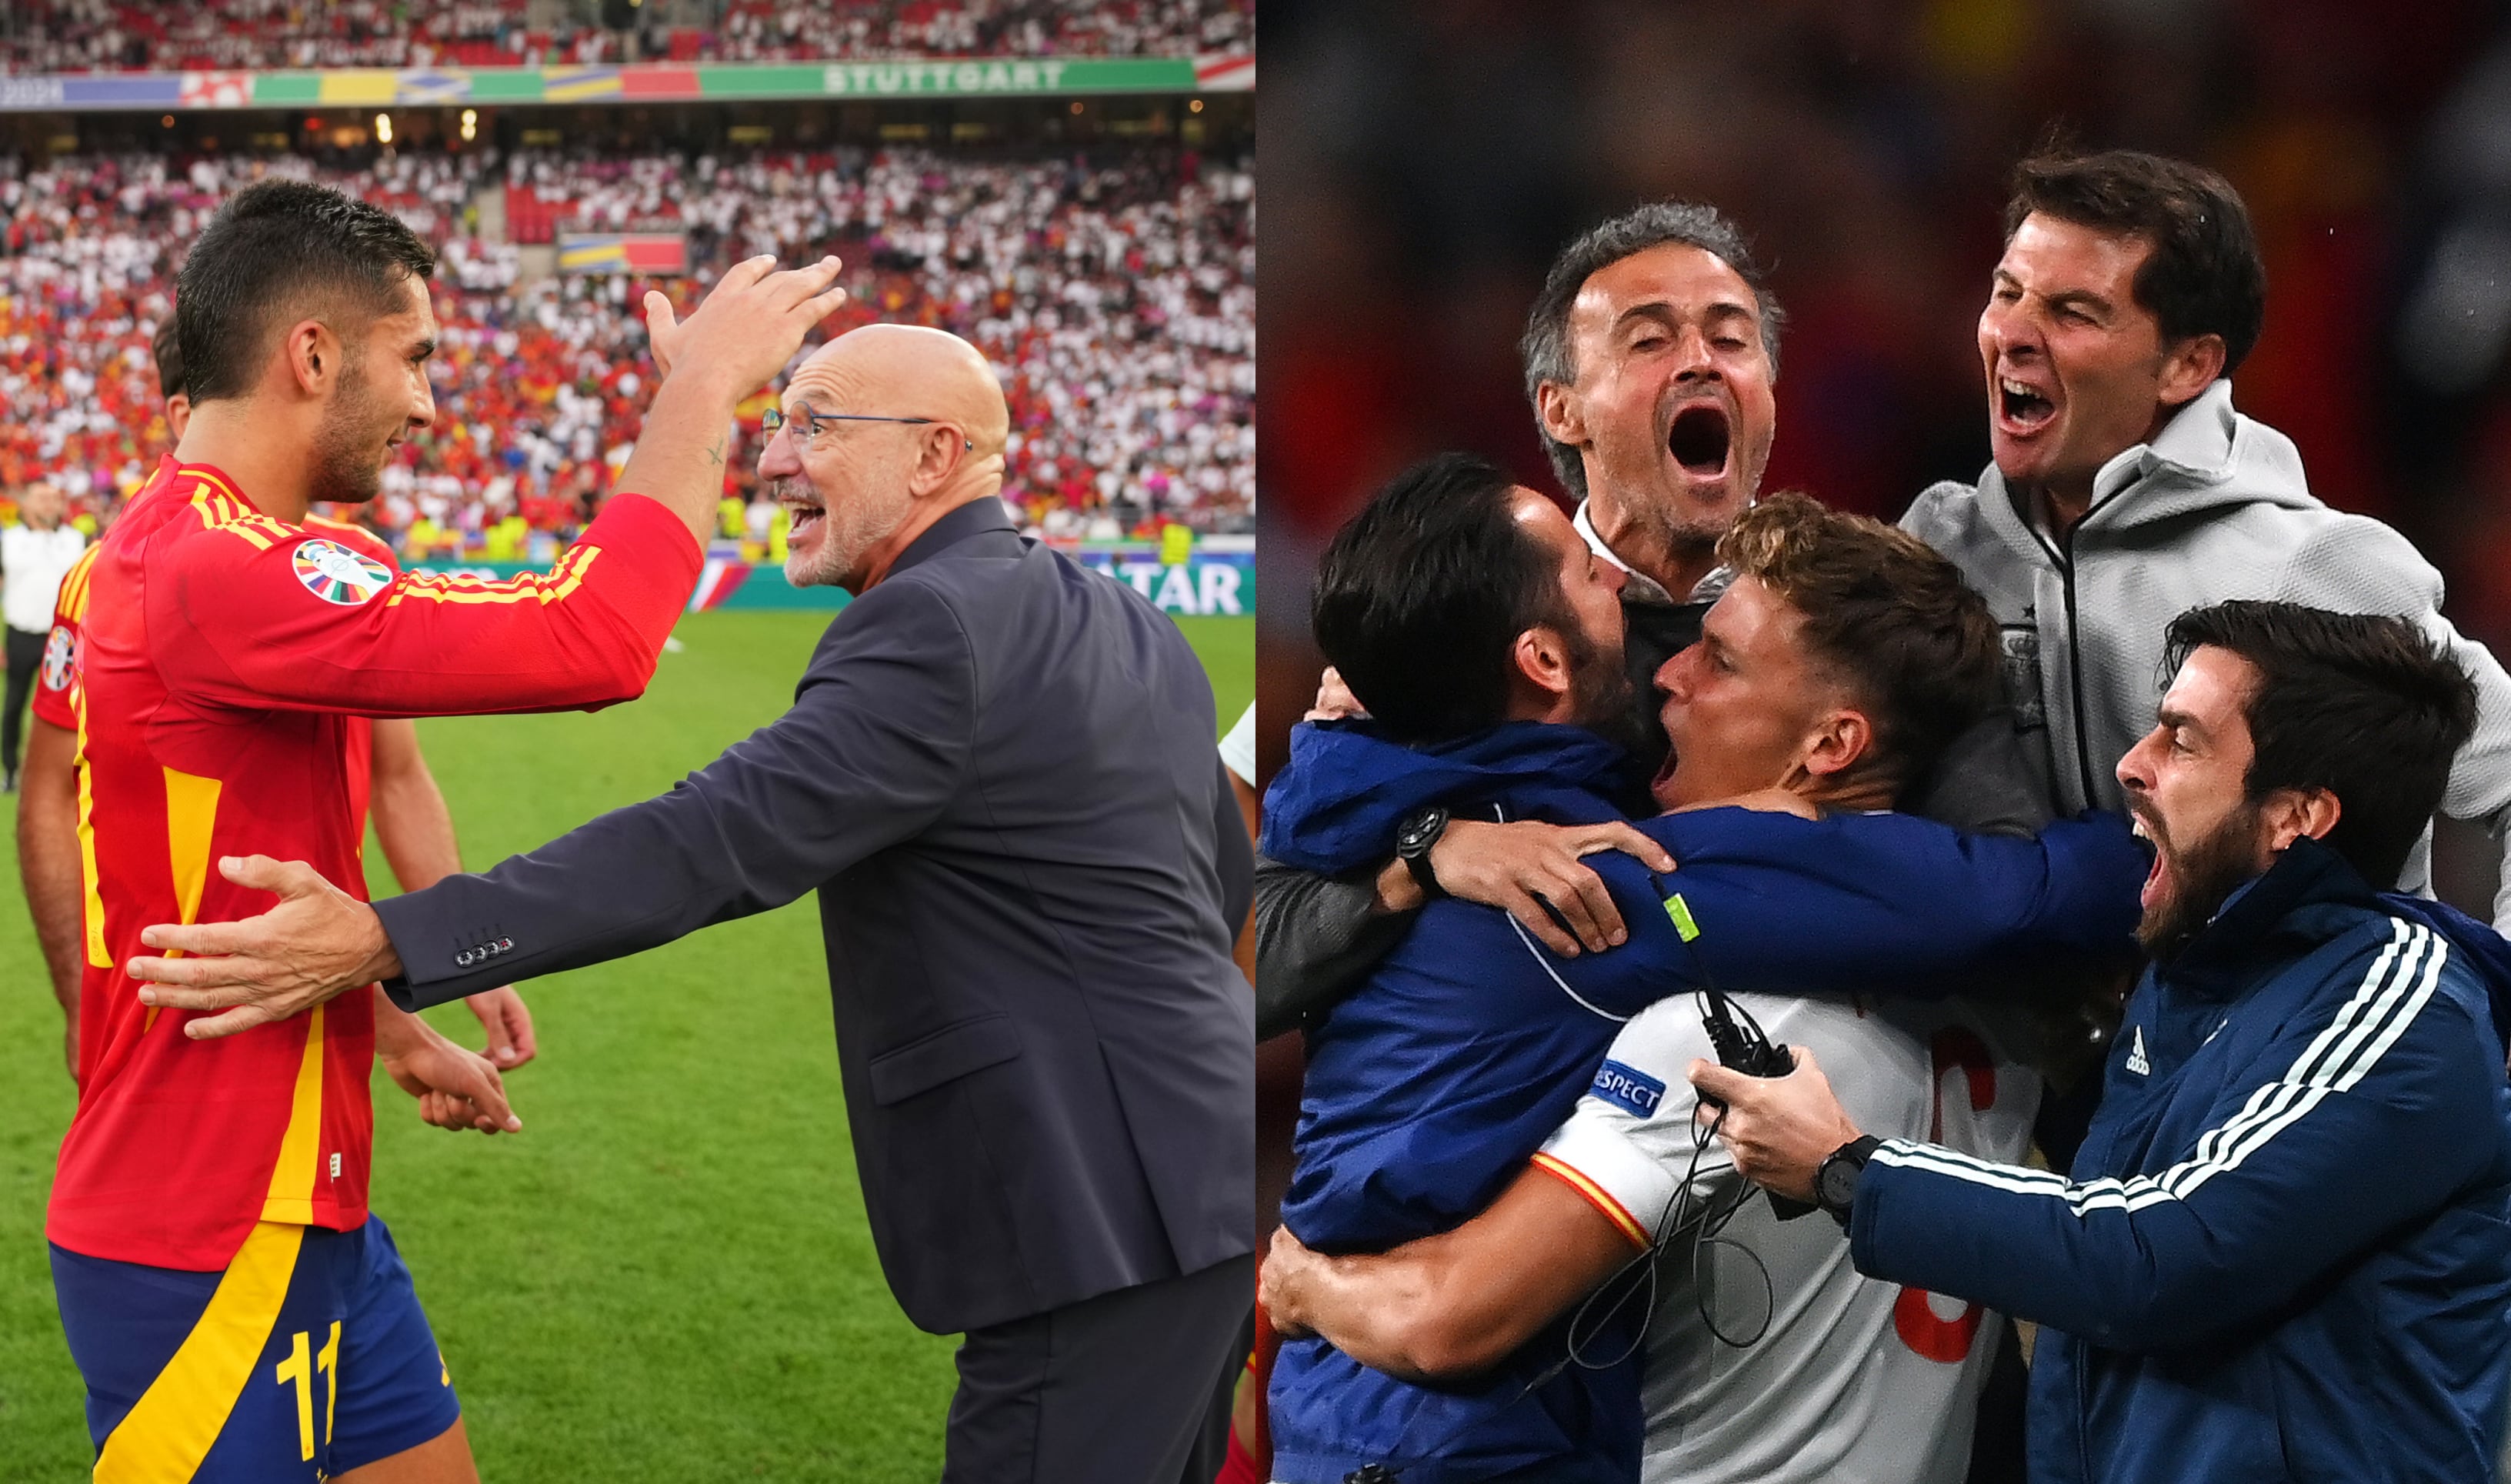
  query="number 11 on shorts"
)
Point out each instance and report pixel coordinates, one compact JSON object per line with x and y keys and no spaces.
{"x":295,"y":1369}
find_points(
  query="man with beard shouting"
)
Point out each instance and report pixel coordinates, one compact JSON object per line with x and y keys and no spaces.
{"x":2279,"y":1254}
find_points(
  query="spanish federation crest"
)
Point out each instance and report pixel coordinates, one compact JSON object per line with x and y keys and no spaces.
{"x":335,"y":573}
{"x":61,"y":658}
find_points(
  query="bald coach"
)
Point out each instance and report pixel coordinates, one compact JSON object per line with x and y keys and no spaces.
{"x":998,"y":773}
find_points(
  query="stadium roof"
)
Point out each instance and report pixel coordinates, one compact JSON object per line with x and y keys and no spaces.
{"x":932,"y":77}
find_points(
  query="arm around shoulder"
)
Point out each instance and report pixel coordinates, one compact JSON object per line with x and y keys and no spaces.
{"x":1449,"y":1306}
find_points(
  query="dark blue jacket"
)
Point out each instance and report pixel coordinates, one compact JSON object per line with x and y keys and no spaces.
{"x":1430,"y":1087}
{"x":2284,"y":1252}
{"x":1000,"y":777}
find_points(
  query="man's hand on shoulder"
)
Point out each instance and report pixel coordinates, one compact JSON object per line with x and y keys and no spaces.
{"x":1525,"y":867}
{"x":315,"y":942}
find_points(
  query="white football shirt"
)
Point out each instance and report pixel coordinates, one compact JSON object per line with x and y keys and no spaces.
{"x":1852,"y":1380}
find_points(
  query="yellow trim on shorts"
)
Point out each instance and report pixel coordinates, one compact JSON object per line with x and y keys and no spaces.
{"x":177,"y":1420}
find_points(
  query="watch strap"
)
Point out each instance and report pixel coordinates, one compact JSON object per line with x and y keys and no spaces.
{"x":1851,"y":1157}
{"x":1418,"y":835}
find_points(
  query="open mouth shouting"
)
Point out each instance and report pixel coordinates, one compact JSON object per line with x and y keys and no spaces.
{"x":1701,"y":440}
{"x":2156,"y":875}
{"x":2025,"y":404}
{"x":804,"y":510}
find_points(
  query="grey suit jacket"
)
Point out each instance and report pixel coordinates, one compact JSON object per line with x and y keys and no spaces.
{"x":1000,"y":776}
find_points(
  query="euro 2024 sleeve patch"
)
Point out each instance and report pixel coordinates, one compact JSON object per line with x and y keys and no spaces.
{"x":61,"y":658}
{"x":335,"y":573}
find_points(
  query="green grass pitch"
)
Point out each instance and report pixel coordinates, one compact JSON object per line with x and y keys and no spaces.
{"x":667,"y":1276}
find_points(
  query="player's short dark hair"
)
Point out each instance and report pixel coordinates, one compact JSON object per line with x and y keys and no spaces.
{"x":167,"y":351}
{"x":2205,"y":275}
{"x":285,"y":248}
{"x":1545,"y":348}
{"x":2369,"y":708}
{"x":1885,"y":617}
{"x":1420,"y":598}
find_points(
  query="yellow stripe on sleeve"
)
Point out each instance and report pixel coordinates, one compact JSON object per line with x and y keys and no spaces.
{"x":73,"y":603}
{"x":1595,"y":1196}
{"x":92,"y":914}
{"x":558,"y":583}
{"x":171,"y":1427}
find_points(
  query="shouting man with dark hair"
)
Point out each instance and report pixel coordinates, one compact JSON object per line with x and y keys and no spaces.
{"x":2279,"y":1254}
{"x":2125,"y":487}
{"x":1830,"y":674}
{"x":235,"y":1311}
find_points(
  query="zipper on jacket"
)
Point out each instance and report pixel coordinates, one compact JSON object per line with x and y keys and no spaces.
{"x":2075,"y":664}
{"x":2063,"y":557}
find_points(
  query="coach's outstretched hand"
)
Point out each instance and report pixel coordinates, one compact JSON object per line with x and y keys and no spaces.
{"x":316,"y":942}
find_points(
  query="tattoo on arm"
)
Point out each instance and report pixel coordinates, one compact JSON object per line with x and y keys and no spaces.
{"x":714,"y":453}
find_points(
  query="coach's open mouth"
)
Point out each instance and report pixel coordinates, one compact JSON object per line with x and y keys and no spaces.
{"x":803,"y":509}
{"x":1698,"y":440}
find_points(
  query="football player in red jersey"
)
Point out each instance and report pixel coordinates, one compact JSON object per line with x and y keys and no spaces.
{"x":236,"y":1312}
{"x":411,"y":822}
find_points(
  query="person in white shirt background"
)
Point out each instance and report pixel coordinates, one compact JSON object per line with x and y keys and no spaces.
{"x":35,"y":554}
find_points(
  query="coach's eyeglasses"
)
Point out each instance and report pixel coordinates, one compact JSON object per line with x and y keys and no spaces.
{"x":804,"y":426}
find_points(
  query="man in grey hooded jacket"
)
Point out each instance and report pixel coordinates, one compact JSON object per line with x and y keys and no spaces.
{"x":2126,"y":490}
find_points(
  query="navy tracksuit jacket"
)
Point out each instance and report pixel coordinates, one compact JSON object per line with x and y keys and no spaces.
{"x":2284,"y":1252}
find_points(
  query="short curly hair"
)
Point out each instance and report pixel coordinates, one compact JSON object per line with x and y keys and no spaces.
{"x":1885,"y":617}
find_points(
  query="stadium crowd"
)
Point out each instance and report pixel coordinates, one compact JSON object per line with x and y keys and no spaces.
{"x":1116,"y":298}
{"x":116,"y":36}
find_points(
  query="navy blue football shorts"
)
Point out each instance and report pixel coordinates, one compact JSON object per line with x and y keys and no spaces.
{"x":307,"y":1357}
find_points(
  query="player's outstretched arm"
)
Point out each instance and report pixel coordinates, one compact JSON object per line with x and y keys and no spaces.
{"x":266,"y":615}
{"x":749,"y":327}
{"x":1450,"y":1306}
{"x":48,"y":862}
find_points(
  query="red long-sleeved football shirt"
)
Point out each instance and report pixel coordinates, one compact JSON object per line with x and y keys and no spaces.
{"x":223,"y":662}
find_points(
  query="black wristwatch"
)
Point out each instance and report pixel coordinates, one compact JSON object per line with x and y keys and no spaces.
{"x":1835,"y":1182}
{"x":1413,"y":837}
